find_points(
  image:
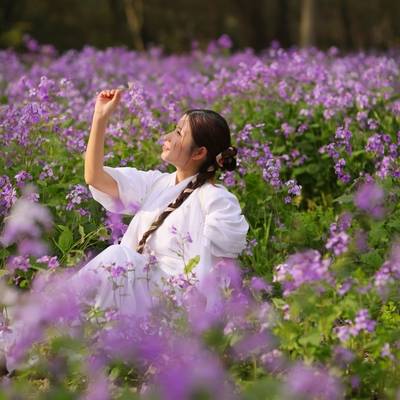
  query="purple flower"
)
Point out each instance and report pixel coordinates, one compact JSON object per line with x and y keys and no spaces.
{"x":345,"y":286}
{"x":180,"y":378}
{"x":47,"y":172}
{"x":187,"y":238}
{"x":224,"y":41}
{"x":271,"y":172}
{"x":310,"y":382}
{"x":307,"y":266}
{"x":8,"y":195}
{"x":259,"y":284}
{"x":339,"y":169}
{"x":250,"y":246}
{"x":52,"y":262}
{"x":229,"y":178}
{"x":362,"y":322}
{"x":117,"y":271}
{"x":273,"y":361}
{"x":76,"y":196}
{"x":25,"y":222}
{"x":252,"y":344}
{"x":344,"y":221}
{"x":30,"y":43}
{"x":287,"y":200}
{"x":293,"y":190}
{"x":287,"y":129}
{"x":361,"y":241}
{"x":369,"y":198}
{"x":343,"y":356}
{"x":18,"y":262}
{"x":372,"y":124}
{"x":21,"y":177}
{"x":376,"y":145}
{"x":114,"y":223}
{"x":386,"y":352}
{"x":338,"y":243}
{"x":343,"y":137}
{"x":389,"y":273}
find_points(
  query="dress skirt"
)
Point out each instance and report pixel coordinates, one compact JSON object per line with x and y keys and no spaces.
{"x":127,"y":280}
{"x":119,"y":279}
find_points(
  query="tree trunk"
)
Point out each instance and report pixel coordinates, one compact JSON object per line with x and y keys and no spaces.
{"x":348,"y":37}
{"x":282,"y":27}
{"x":307,"y":23}
{"x":134,"y":17}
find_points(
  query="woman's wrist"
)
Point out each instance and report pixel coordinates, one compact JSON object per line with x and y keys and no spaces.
{"x":99,"y":116}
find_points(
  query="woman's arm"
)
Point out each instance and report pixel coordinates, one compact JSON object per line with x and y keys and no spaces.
{"x":106,"y":103}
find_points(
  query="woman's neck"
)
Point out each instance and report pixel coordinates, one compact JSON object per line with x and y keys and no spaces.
{"x":182,"y":175}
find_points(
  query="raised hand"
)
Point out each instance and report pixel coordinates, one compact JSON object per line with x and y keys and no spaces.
{"x":106,"y":102}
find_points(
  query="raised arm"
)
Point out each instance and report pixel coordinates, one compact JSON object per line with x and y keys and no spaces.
{"x":106,"y":102}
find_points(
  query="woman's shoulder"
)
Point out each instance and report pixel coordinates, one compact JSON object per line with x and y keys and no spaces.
{"x":216,"y":189}
{"x":217,"y":193}
{"x":130,"y":171}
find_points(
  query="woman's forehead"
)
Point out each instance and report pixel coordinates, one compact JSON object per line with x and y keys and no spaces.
{"x":182,"y":121}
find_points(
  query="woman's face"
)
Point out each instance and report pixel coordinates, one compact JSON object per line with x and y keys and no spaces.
{"x":178,"y":145}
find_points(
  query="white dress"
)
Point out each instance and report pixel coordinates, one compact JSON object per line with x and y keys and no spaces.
{"x":208,"y":224}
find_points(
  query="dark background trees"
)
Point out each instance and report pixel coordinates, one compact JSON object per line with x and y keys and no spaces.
{"x":348,"y":24}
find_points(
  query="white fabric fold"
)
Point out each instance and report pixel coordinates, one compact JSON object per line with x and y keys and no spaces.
{"x":133,"y":186}
{"x":225,"y":226}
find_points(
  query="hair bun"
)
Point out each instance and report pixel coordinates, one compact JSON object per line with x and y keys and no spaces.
{"x":228,"y":159}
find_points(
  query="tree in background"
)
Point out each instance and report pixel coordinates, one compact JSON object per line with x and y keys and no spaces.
{"x":348,"y":24}
{"x":134,"y":17}
{"x":307,"y":23}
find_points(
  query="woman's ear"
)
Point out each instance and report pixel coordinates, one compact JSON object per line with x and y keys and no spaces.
{"x":200,"y":153}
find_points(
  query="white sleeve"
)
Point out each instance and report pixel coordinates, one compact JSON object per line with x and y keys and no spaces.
{"x":225,"y":225}
{"x":133,"y":187}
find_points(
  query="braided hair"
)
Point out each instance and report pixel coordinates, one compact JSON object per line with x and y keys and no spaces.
{"x":209,"y":129}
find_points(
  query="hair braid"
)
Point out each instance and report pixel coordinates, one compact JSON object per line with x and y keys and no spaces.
{"x":200,"y":179}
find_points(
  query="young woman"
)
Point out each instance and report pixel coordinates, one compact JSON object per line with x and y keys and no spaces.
{"x":181,"y":219}
{"x":179,"y":216}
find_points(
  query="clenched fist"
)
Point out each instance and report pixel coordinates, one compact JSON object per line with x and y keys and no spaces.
{"x":106,"y":102}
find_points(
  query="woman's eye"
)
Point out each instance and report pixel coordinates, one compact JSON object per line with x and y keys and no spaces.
{"x":179,"y":133}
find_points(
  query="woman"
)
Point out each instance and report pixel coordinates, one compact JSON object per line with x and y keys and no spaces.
{"x":180,"y":218}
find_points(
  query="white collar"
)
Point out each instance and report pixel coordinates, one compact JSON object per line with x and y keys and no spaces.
{"x":186,"y":180}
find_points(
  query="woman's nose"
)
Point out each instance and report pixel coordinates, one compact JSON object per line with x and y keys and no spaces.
{"x":166,"y":136}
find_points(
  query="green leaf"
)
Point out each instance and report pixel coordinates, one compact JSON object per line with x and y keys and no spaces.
{"x":191,"y":264}
{"x":313,"y":339}
{"x":23,"y":284}
{"x":373,"y":259}
{"x":3,"y":272}
{"x":65,"y":239}
{"x":279,"y":303}
{"x":114,"y":373}
{"x":377,"y":234}
{"x":81,"y":231}
{"x":344,"y":199}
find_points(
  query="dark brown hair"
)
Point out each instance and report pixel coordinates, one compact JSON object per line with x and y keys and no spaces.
{"x":209,"y":129}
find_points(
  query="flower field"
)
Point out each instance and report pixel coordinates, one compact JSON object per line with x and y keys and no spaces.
{"x":312,"y":309}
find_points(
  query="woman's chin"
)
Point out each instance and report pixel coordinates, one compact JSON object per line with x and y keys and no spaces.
{"x":164,"y":157}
